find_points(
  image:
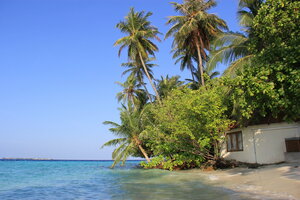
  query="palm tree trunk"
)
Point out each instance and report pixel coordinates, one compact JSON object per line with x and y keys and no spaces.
{"x":150,"y":80}
{"x":138,"y":143}
{"x":200,"y":64}
{"x":144,"y":153}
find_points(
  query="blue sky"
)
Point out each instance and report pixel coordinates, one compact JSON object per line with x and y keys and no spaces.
{"x":58,"y":69}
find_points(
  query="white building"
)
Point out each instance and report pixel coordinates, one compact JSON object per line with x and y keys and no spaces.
{"x":263,"y":144}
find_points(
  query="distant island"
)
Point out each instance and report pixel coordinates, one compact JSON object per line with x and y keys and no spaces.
{"x":26,"y":159}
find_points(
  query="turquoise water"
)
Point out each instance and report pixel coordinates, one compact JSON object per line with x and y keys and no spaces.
{"x":28,"y":180}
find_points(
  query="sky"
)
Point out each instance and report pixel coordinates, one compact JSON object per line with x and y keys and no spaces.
{"x":58,"y":69}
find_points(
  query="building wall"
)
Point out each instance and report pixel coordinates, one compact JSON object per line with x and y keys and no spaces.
{"x":263,"y":144}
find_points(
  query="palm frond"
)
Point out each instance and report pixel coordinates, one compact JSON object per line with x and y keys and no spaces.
{"x":228,"y":47}
{"x":245,"y":18}
{"x":119,"y":150}
{"x":238,"y":65}
{"x":228,"y":39}
{"x":113,"y":142}
{"x":111,"y":123}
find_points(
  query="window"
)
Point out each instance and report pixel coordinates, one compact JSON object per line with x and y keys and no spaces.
{"x":234,"y":141}
{"x":292,"y":144}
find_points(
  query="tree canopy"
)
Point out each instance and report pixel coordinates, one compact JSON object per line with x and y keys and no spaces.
{"x":187,"y":126}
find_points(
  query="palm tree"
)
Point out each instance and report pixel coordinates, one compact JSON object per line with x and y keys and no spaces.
{"x":232,"y":48}
{"x":194,"y":29}
{"x":247,"y":10}
{"x":166,"y":85}
{"x":129,"y":130}
{"x":131,"y":91}
{"x":185,"y":59}
{"x":136,"y":69}
{"x":138,"y":42}
{"x":194,"y":83}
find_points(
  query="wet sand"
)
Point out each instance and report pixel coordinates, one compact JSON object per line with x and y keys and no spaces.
{"x":280,"y":181}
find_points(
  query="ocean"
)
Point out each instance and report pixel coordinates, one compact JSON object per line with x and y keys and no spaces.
{"x":51,"y":180}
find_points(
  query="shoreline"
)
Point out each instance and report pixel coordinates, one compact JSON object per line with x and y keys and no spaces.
{"x":271,"y":182}
{"x":278,"y":181}
{"x":37,"y":159}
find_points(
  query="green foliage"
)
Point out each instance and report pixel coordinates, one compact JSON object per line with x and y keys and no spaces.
{"x":265,"y":94}
{"x":175,"y":162}
{"x":129,"y":129}
{"x":194,"y":83}
{"x":230,"y":48}
{"x":277,"y":33}
{"x":193,"y":30}
{"x":155,"y":162}
{"x":131,"y":93}
{"x":247,"y":10}
{"x":139,"y":32}
{"x":233,"y":48}
{"x":167,"y":84}
{"x":185,"y":59}
{"x":135,"y":69}
{"x":269,"y":90}
{"x":187,"y":129}
{"x":139,"y":41}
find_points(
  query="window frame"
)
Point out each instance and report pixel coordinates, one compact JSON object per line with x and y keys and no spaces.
{"x":229,"y":135}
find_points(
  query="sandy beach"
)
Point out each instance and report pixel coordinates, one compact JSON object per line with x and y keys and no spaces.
{"x":280,"y":181}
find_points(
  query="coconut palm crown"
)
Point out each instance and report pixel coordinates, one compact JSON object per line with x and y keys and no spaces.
{"x":136,"y":69}
{"x":186,"y":60}
{"x":130,"y":91}
{"x":128,"y":131}
{"x":194,"y":28}
{"x":232,"y":48}
{"x":167,"y":84}
{"x":138,"y":41}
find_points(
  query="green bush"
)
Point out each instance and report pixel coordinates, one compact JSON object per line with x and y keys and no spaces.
{"x":188,"y":127}
{"x":269,"y":90}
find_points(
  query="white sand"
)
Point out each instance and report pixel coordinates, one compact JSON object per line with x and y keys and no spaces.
{"x":269,"y":182}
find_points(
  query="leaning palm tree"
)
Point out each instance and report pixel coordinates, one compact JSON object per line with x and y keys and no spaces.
{"x":138,"y":41}
{"x":136,"y":69}
{"x":130,"y":91}
{"x":129,"y":130}
{"x":194,"y":29}
{"x":232,"y":48}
